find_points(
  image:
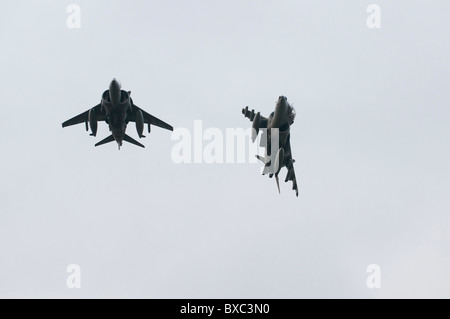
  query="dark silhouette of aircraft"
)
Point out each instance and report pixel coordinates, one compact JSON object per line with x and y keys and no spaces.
{"x":116,"y":108}
{"x":277,"y":125}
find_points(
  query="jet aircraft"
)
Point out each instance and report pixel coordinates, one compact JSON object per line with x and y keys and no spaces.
{"x":116,"y":108}
{"x":278,"y":124}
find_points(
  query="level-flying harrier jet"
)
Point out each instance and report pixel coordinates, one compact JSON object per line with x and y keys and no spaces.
{"x":116,"y":108}
{"x":278,"y":123}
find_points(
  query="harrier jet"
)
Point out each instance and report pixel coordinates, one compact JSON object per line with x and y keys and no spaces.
{"x":116,"y":108}
{"x":276,"y":130}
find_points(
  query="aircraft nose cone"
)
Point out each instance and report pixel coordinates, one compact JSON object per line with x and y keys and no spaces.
{"x":115,"y":83}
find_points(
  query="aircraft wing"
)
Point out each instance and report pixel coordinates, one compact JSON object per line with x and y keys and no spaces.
{"x":251,"y":116}
{"x":84,"y":117}
{"x":148,"y":118}
{"x":290,"y":176}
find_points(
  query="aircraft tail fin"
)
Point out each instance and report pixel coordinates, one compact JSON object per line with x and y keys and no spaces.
{"x":132,"y":141}
{"x":278,"y":183}
{"x":106,"y":140}
{"x":265,"y":160}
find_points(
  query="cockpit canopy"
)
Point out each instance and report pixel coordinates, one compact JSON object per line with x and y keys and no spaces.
{"x":124,"y":96}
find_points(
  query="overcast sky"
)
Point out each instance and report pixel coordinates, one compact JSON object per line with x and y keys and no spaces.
{"x":371,"y":143}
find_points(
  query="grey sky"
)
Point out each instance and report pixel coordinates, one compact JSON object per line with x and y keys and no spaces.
{"x":370,"y":142}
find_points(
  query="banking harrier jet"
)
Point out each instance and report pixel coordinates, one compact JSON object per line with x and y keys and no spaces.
{"x":116,"y":108}
{"x":277,"y":125}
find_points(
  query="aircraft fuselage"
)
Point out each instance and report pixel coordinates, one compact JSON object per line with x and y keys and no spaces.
{"x":280,"y":119}
{"x":116,"y":103}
